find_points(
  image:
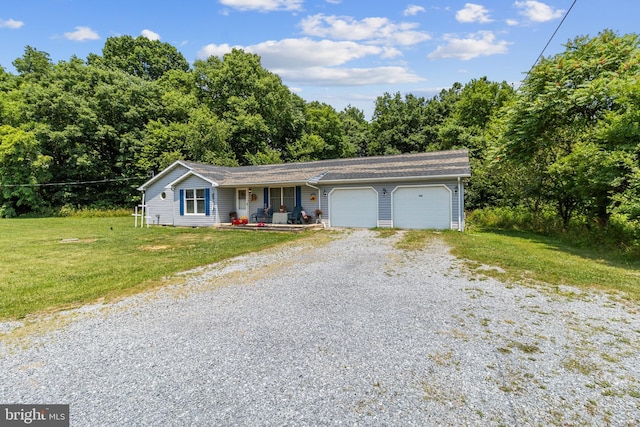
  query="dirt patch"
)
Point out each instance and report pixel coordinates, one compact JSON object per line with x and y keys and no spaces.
{"x":76,"y":240}
{"x":154,"y":247}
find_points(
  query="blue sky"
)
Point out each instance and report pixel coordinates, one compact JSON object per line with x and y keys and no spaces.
{"x":342,"y":52}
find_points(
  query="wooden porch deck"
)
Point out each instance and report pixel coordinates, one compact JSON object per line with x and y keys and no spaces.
{"x":296,"y":228}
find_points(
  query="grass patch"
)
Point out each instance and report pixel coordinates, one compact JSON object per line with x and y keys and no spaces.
{"x":528,"y":256}
{"x":50,"y":264}
{"x":413,"y":240}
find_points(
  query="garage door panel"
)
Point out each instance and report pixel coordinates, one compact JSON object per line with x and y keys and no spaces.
{"x":422,"y":207}
{"x":354,"y":207}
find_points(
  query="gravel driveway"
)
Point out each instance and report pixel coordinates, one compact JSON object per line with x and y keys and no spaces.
{"x":350,"y":332}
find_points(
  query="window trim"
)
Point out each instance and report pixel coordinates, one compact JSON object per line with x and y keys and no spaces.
{"x":282,"y":196}
{"x":195,"y":199}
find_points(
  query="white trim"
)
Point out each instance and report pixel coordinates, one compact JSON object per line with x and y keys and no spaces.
{"x":396,"y":178}
{"x":171,"y":186}
{"x":163,"y":173}
{"x":352,"y":188}
{"x":195,"y":201}
{"x":422,"y":186}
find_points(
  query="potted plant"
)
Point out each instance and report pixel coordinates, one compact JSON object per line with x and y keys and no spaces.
{"x":283,"y":208}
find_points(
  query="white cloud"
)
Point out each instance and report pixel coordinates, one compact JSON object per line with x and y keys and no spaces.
{"x":373,"y":30}
{"x":216,"y":50}
{"x":306,"y":61}
{"x":473,"y":13}
{"x":150,"y":35}
{"x":413,"y":10}
{"x":512,"y":22}
{"x":11,"y":24}
{"x":264,"y":5}
{"x":482,"y":43}
{"x":325,"y":76}
{"x":81,"y":34}
{"x":301,"y":53}
{"x":537,"y":11}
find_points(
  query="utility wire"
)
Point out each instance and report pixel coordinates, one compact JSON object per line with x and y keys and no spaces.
{"x":550,"y":39}
{"x":52,"y":184}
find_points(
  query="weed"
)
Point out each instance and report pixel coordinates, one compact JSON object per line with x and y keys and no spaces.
{"x":585,"y":368}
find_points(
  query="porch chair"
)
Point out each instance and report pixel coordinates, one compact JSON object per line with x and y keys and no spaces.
{"x":294,"y":215}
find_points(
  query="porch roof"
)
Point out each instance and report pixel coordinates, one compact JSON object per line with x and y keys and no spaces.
{"x":452,"y":163}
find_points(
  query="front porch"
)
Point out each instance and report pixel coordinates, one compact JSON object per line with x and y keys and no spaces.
{"x":295,"y":228}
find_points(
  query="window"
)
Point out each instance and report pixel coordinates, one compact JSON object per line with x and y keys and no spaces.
{"x":282,"y":196}
{"x":194,"y":201}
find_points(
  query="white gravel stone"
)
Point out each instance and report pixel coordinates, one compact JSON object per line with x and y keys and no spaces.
{"x":354,"y":332}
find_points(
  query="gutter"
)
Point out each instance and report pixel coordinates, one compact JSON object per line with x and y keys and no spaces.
{"x":318,"y":190}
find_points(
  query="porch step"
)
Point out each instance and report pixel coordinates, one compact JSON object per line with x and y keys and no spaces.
{"x":295,"y":228}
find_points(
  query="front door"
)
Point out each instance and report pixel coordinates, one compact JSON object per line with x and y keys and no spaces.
{"x":242,"y":202}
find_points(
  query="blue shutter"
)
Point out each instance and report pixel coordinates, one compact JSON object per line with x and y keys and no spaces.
{"x":181,"y":202}
{"x":266,"y":197}
{"x":298,"y":195}
{"x":207,"y":201}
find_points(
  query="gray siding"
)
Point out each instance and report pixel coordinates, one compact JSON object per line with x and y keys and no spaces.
{"x":226,"y":202}
{"x":385,"y":201}
{"x":199,"y":220}
{"x":161,"y":211}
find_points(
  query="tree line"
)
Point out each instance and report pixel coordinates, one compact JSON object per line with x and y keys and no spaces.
{"x":86,"y":133}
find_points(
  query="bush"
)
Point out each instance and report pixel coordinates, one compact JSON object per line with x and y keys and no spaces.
{"x":618,"y":234}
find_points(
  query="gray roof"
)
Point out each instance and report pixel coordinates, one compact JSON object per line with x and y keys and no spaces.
{"x":452,"y":163}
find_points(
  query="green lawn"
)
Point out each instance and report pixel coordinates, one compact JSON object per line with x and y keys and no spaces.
{"x":56,"y":263}
{"x":545,"y":259}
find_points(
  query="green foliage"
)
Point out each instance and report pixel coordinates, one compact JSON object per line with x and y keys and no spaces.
{"x":619,"y":236}
{"x":559,"y":127}
{"x":22,"y":167}
{"x":140,"y":57}
{"x":260,"y":111}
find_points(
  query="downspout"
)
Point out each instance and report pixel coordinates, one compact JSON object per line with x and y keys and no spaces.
{"x":319,"y":199}
{"x":460,"y":208}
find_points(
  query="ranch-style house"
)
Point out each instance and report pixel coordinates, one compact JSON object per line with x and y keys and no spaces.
{"x":423,"y":190}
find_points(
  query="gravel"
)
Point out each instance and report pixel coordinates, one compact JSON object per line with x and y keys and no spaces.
{"x":349,"y":332}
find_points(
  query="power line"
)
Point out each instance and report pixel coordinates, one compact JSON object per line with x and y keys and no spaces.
{"x":53,"y":184}
{"x":551,"y":38}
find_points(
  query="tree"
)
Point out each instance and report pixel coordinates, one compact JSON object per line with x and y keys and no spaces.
{"x":553,"y":127}
{"x":397,"y":125}
{"x":91,"y":122}
{"x":261,"y":111}
{"x":140,"y":57}
{"x":22,"y":167}
{"x":33,"y":63}
{"x":356,"y":129}
{"x":324,"y":137}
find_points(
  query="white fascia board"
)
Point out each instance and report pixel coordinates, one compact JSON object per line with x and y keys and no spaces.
{"x":191,"y":173}
{"x":162,"y":173}
{"x":394,"y":178}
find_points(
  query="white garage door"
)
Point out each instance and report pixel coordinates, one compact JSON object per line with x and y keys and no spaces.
{"x":422,"y":207}
{"x":353,"y":207}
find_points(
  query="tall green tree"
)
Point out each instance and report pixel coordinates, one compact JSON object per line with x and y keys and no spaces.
{"x":262,"y":113}
{"x":91,"y":122}
{"x":324,"y":137}
{"x":553,"y":127}
{"x":356,"y":129}
{"x":140,"y":57}
{"x":397,"y":125}
{"x":22,"y":168}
